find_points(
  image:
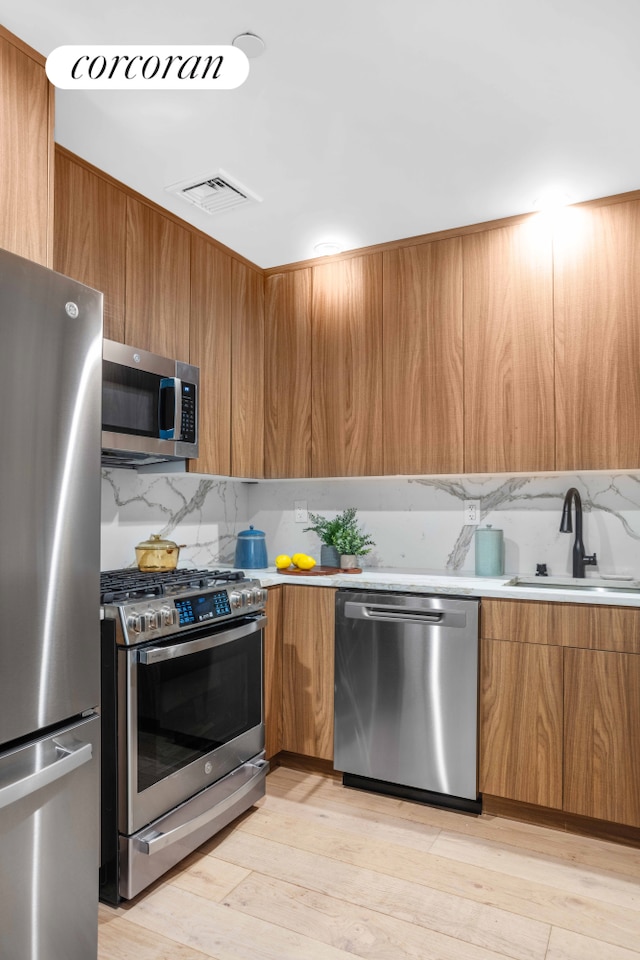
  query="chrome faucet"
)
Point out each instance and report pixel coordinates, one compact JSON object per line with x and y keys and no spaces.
{"x":580,"y":558}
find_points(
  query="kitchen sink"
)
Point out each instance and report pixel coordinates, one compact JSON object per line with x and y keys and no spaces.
{"x":586,"y":585}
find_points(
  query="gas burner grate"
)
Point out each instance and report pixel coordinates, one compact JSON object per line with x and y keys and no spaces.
{"x":117,"y":586}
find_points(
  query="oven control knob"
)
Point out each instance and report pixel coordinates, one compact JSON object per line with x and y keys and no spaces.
{"x":134,"y":623}
{"x":235,"y":599}
{"x":149,"y":619}
{"x":166,"y":619}
{"x":258,"y":596}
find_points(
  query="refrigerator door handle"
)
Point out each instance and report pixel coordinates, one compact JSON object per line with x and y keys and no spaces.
{"x":68,"y":760}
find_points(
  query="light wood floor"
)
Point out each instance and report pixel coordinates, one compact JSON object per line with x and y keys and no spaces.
{"x":321,"y":872}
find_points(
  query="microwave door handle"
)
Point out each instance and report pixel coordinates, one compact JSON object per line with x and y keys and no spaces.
{"x":173,"y":430}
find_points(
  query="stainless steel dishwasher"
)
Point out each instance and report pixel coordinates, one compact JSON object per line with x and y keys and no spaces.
{"x":406,"y":696}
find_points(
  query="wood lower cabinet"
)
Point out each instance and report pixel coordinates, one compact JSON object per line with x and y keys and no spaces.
{"x":308,"y":616}
{"x":508,"y":349}
{"x":90,"y":226}
{"x":521,"y":722}
{"x":26,"y":152}
{"x":272,"y":659}
{"x":422,"y":358}
{"x":601,"y":735}
{"x":157,"y":295}
{"x":597,"y":302}
{"x":287,"y":394}
{"x":347,"y":367}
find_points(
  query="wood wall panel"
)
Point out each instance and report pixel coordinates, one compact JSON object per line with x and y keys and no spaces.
{"x":247,"y":371}
{"x":288,"y":374}
{"x":26,"y":154}
{"x":521,"y":722}
{"x":508,"y":349}
{"x":601,"y":736}
{"x":273,"y":672}
{"x":593,"y":627}
{"x":347,"y":367}
{"x":422,"y":359}
{"x":90,"y":236}
{"x":210,"y":350}
{"x":157,"y":295}
{"x":308,"y":670}
{"x":597,"y":304}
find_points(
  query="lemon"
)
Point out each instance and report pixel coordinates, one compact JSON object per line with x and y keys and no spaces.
{"x":296,"y":557}
{"x":305,"y":563}
{"x":283,"y":561}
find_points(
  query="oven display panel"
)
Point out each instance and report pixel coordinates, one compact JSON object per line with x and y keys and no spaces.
{"x":206,"y":607}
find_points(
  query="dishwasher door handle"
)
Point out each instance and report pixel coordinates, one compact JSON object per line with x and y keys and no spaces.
{"x":391,"y":612}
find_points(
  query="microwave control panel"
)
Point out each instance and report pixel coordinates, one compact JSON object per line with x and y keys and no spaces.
{"x":188,"y":425}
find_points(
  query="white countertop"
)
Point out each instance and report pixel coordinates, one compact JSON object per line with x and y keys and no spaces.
{"x":421,"y":581}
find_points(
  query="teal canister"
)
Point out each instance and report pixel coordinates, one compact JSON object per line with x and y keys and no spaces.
{"x":251,"y":550}
{"x":489,"y":552}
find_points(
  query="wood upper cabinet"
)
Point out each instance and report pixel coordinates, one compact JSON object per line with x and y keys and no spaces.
{"x":508,"y":349}
{"x":422,"y":358}
{"x":26,"y":152}
{"x":157,"y":295}
{"x":90,"y":235}
{"x":521,"y":722}
{"x":287,"y":399}
{"x":602,"y":730}
{"x":247,"y":371}
{"x":308,"y":617}
{"x":210,"y":350}
{"x":347,"y":367}
{"x":597,"y":305}
{"x":273,"y":672}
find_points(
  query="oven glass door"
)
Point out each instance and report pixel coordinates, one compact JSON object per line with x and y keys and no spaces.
{"x":195,"y":714}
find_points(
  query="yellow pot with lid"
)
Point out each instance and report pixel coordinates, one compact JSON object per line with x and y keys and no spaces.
{"x":157,"y":554}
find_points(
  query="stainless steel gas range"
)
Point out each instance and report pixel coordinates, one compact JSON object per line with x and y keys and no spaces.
{"x":182,"y":716}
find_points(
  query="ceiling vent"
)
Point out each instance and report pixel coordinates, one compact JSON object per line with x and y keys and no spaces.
{"x":214,"y":194}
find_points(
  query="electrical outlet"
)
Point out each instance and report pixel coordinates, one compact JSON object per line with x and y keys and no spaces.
{"x":300,"y":511}
{"x":471,"y":512}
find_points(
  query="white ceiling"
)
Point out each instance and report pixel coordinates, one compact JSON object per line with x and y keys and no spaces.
{"x":364,"y":120}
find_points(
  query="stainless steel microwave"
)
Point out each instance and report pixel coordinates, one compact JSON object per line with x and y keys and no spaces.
{"x":149,"y":407}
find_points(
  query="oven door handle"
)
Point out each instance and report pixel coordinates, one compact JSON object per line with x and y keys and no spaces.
{"x":155,"y":841}
{"x":152,"y":655}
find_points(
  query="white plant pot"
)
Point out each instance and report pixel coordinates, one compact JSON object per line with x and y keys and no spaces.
{"x":347,"y":560}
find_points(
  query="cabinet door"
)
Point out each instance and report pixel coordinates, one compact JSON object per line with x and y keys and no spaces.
{"x":308,"y":617}
{"x":273,"y":673}
{"x":157,"y":290}
{"x":347,"y":367}
{"x":597,"y":303}
{"x":26,"y":153}
{"x":247,"y":371}
{"x":287,"y":398}
{"x":521,"y":722}
{"x":422,"y":359}
{"x":601,"y":735}
{"x":508,"y":349}
{"x":210,"y":350}
{"x":89,"y":236}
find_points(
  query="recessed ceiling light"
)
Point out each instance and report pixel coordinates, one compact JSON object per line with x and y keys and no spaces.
{"x":552,"y":198}
{"x":249,"y":43}
{"x":327,"y":247}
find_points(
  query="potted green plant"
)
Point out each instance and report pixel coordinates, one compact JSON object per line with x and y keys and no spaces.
{"x":341,"y":537}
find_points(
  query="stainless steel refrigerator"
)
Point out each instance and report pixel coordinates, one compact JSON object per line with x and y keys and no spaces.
{"x":50,"y":380}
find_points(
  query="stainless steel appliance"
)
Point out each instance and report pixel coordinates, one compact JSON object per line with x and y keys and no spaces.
{"x":149,"y":407}
{"x":406,"y":695}
{"x":182,"y":709}
{"x":50,"y":361}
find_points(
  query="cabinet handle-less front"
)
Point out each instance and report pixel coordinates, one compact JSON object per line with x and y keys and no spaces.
{"x":68,"y":760}
{"x":154,"y":843}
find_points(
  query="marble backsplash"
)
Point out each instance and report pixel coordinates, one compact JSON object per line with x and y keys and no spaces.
{"x":415,"y":522}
